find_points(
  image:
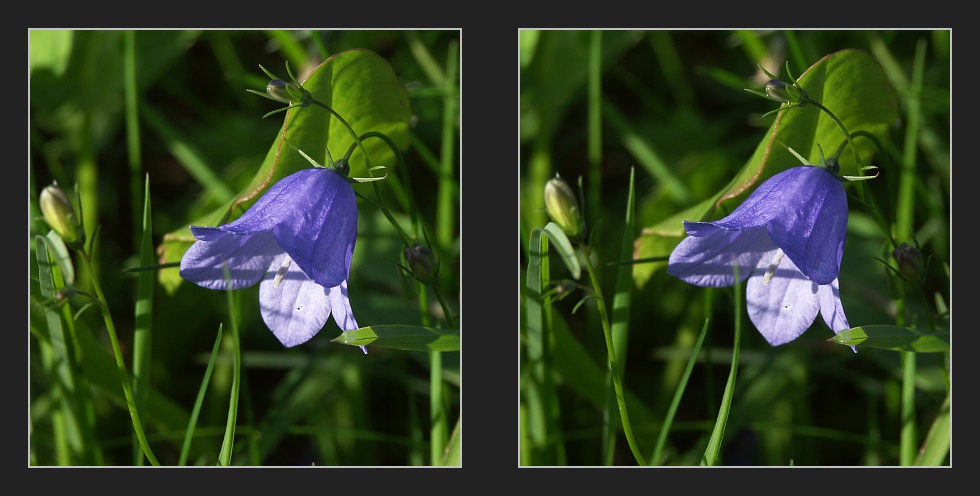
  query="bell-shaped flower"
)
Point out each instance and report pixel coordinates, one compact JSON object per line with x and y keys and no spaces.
{"x":298,"y":240}
{"x":787,"y":239}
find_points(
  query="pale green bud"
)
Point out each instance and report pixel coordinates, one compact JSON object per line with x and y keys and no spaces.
{"x":60,"y":215}
{"x":290,"y":93}
{"x":563,"y":207}
{"x":785,"y":93}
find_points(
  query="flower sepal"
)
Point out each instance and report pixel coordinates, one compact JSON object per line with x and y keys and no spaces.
{"x":293,"y":94}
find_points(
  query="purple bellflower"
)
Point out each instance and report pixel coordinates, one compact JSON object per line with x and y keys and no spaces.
{"x":787,"y":238}
{"x":298,"y":240}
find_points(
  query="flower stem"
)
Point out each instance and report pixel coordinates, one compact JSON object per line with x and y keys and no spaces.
{"x":445,"y":307}
{"x":120,"y":363}
{"x":614,"y":368}
{"x":840,"y":124}
{"x":367,"y":158}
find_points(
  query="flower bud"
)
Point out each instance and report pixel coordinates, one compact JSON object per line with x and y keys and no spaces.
{"x":290,"y":93}
{"x":59,"y":214}
{"x":784,"y":93}
{"x":563,"y":207}
{"x":910,"y":263}
{"x":422,"y":262}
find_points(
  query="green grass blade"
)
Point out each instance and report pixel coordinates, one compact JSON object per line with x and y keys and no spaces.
{"x":678,"y":393}
{"x":193,"y":161}
{"x":540,"y":443}
{"x":619,"y":323}
{"x":452,"y":454}
{"x":196,"y":411}
{"x":142,"y":333}
{"x":718,"y":433}
{"x":227,"y":444}
{"x":936,"y":446}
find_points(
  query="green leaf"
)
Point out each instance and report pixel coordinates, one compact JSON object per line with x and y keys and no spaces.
{"x":357,"y":84}
{"x":564,"y":248}
{"x":852,"y":84}
{"x":894,"y":338}
{"x":402,"y":337}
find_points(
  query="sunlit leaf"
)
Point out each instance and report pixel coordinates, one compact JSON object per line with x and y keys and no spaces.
{"x":852,"y":84}
{"x":888,"y":337}
{"x":402,"y":337}
{"x":357,"y":84}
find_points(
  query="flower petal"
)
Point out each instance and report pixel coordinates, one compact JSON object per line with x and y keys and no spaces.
{"x":706,"y":256}
{"x":831,"y":308}
{"x":810,"y":224}
{"x":296,"y":308}
{"x":342,"y":313}
{"x":248,"y":258}
{"x":315,"y":222}
{"x":786,"y":306}
{"x":340,"y":305}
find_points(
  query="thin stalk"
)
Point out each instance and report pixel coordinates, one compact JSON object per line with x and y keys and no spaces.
{"x":120,"y":363}
{"x":840,"y":124}
{"x":613,"y":366}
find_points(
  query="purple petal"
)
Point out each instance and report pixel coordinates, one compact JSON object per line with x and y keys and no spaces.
{"x":342,"y":313}
{"x":786,"y":306}
{"x":248,"y":258}
{"x":340,"y":305}
{"x":831,"y":308}
{"x":811,"y":221}
{"x":707,"y":256}
{"x":295,"y":309}
{"x":313,"y":214}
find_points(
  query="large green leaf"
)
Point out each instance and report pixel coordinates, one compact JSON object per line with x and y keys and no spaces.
{"x":853,"y":85}
{"x":358,"y":85}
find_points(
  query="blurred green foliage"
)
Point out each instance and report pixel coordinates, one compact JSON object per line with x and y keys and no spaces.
{"x":180,"y":118}
{"x":673,"y":107}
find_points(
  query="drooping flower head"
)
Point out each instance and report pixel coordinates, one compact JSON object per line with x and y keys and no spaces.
{"x":787,"y":239}
{"x":298,"y":240}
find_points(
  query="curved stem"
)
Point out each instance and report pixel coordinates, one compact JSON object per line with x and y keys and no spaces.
{"x":120,"y":363}
{"x":840,"y":124}
{"x":613,"y":366}
{"x":445,"y":307}
{"x":367,"y":158}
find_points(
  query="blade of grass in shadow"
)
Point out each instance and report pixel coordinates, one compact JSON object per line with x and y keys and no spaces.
{"x":621,"y":314}
{"x":74,"y":425}
{"x":717,"y":435}
{"x":451,"y":455}
{"x":187,"y":155}
{"x":448,"y":205}
{"x":678,"y":393}
{"x":142,"y":332}
{"x":439,"y":429}
{"x":538,"y":397}
{"x":936,"y":445}
{"x":192,"y":424}
{"x":227,"y":444}
{"x":905,"y":206}
{"x":612,"y":361}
